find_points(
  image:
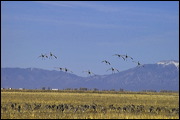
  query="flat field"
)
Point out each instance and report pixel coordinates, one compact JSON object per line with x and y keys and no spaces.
{"x":61,"y":104}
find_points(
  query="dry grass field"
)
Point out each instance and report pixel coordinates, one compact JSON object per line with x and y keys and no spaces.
{"x":39,"y":104}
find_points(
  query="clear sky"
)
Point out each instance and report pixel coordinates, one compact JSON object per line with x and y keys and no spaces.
{"x":84,"y":33}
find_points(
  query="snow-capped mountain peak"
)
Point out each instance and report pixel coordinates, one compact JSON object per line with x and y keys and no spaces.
{"x":168,"y":62}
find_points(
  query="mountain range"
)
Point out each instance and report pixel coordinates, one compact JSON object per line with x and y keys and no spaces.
{"x":163,"y":75}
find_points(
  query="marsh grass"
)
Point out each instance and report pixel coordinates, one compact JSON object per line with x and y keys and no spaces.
{"x":166,"y":100}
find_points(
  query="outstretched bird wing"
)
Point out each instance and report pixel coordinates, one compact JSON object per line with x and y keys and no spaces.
{"x":116,"y":55}
{"x":117,"y":70}
{"x":59,"y":68}
{"x":122,"y":57}
{"x":109,"y":69}
{"x":106,"y":62}
{"x":69,"y":70}
{"x":119,"y":55}
{"x":41,"y":55}
{"x":130,"y":57}
{"x":109,"y":63}
{"x":92,"y":73}
{"x":85,"y":71}
{"x":55,"y":56}
{"x":45,"y":55}
{"x":103,"y":61}
{"x":135,"y":61}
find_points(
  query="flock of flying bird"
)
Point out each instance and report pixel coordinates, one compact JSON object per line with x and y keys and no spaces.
{"x":124,"y":57}
{"x":50,"y":56}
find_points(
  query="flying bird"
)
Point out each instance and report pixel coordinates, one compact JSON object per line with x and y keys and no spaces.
{"x":113,"y":69}
{"x":89,"y":72}
{"x":119,"y":56}
{"x":126,"y":56}
{"x":43,"y":56}
{"x":65,"y":69}
{"x":51,"y":55}
{"x":106,"y":62}
{"x":59,"y":68}
{"x":138,"y":63}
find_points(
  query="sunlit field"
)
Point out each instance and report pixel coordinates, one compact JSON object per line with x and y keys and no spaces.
{"x":46,"y":104}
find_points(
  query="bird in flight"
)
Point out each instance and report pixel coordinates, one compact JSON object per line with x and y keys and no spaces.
{"x":106,"y":62}
{"x":51,"y":55}
{"x":59,"y":68}
{"x":63,"y":69}
{"x":119,"y":56}
{"x":126,"y":56}
{"x":43,"y":56}
{"x":113,"y":70}
{"x":89,"y":72}
{"x":138,"y":63}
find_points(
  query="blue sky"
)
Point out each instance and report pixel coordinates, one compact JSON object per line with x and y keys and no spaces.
{"x":83,"y":33}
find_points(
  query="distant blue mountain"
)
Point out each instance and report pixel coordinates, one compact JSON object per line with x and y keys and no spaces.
{"x":163,"y":75}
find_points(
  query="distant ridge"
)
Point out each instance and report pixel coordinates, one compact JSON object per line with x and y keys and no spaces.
{"x":163,"y":75}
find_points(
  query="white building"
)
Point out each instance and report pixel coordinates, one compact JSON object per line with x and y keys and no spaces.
{"x":54,"y":89}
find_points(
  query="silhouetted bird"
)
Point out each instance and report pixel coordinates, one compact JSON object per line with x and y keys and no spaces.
{"x":138,"y":63}
{"x":43,"y":56}
{"x":89,"y":72}
{"x":106,"y":62}
{"x":59,"y":68}
{"x":127,"y":57}
{"x":113,"y":69}
{"x":51,"y":55}
{"x":119,"y":56}
{"x":63,"y":69}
